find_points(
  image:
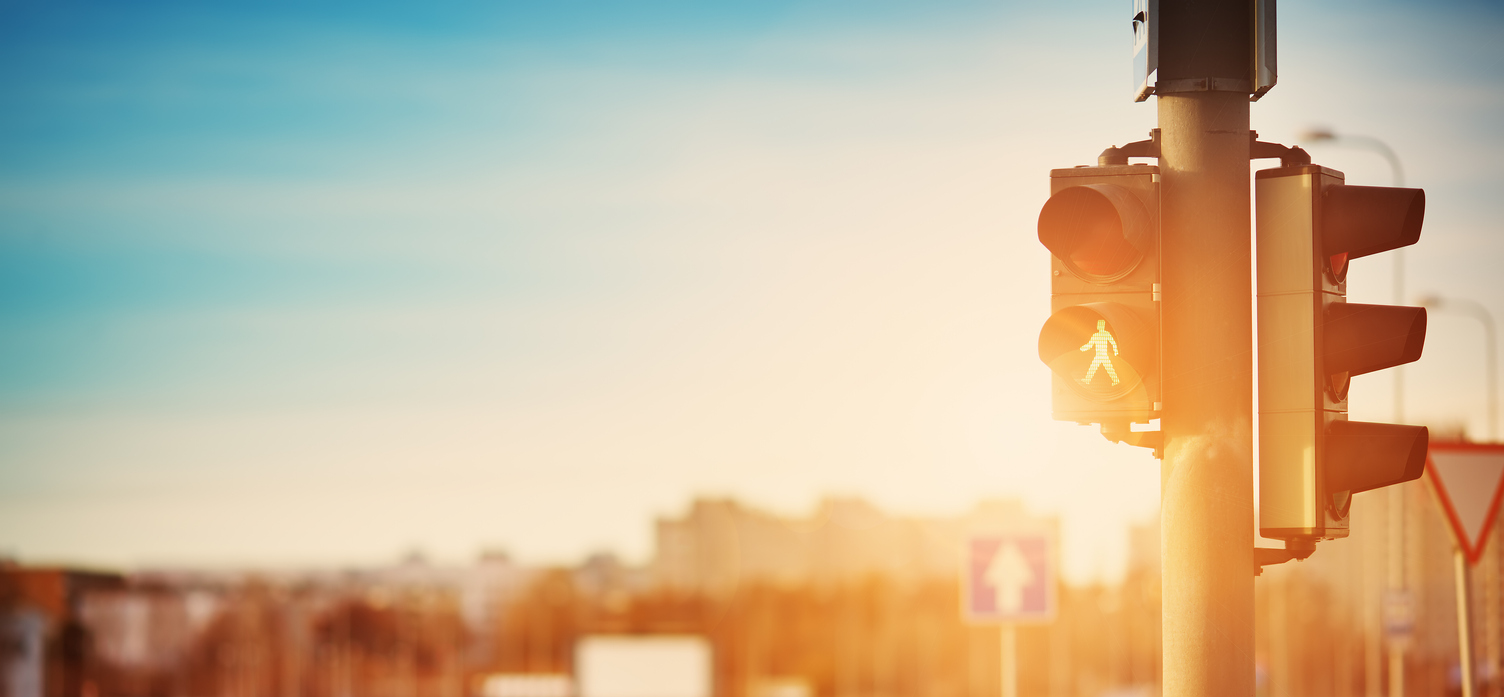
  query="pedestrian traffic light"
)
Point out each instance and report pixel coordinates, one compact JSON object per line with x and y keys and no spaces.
{"x":1101,"y":225}
{"x":1312,"y":459}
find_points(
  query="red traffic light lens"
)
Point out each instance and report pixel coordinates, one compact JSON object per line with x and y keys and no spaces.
{"x":1098,"y":231}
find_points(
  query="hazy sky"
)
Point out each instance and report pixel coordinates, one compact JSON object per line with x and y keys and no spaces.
{"x":319,"y":284}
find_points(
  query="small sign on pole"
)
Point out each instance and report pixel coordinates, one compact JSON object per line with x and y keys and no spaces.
{"x":1399,"y":615}
{"x":1009,"y":577}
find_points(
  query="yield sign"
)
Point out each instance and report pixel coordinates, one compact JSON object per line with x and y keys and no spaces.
{"x":1468,"y":479}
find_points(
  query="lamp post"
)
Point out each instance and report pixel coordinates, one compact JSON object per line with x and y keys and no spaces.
{"x":1326,"y":135}
{"x":1490,"y":347}
{"x":1397,"y":598}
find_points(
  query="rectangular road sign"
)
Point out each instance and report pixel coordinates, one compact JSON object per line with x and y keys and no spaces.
{"x":1009,"y":577}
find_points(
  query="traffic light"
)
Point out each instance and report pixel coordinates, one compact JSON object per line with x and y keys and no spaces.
{"x":1312,"y":459}
{"x":1101,"y":225}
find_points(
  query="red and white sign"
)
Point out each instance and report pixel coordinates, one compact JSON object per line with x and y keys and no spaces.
{"x":1468,"y":479}
{"x":1009,"y":577}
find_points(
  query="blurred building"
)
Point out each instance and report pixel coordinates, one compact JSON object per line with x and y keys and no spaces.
{"x":48,"y":644}
{"x":720,"y":544}
{"x":849,"y":601}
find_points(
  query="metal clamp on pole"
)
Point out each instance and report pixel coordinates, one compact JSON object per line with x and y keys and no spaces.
{"x":1140,"y":148}
{"x":1294,"y":549}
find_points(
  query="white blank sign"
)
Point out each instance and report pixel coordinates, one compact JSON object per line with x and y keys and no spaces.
{"x":643,"y":666}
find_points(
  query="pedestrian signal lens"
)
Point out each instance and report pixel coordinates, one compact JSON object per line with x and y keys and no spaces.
{"x":1097,"y":348}
{"x":1099,"y":343}
{"x":1098,"y":231}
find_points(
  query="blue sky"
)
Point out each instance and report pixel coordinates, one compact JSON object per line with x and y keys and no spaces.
{"x":284,"y":283}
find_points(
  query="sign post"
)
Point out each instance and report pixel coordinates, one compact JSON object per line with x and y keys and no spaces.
{"x":1008,"y":578}
{"x":1468,"y":481}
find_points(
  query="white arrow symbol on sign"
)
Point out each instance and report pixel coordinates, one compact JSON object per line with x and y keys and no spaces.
{"x":1009,"y":573}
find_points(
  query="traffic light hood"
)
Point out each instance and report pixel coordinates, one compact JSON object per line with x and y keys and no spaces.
{"x":1364,"y":338}
{"x":1366,"y":456}
{"x":1361,"y":220}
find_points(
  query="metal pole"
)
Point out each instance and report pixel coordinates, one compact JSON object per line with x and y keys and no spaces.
{"x":1207,"y":475}
{"x":1490,"y":341}
{"x":1396,"y":494}
{"x":1396,"y":583}
{"x":1491,"y":367}
{"x":1373,"y":669}
{"x":1464,"y":621}
{"x":1009,"y":642}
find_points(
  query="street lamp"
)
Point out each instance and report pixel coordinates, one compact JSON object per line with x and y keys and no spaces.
{"x":1490,"y":347}
{"x":1326,"y":135}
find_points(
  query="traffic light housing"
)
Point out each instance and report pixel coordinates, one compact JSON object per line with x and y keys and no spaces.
{"x":1101,"y":342}
{"x":1312,"y":459}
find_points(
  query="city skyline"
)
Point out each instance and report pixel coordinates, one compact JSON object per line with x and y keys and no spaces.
{"x":287,"y":284}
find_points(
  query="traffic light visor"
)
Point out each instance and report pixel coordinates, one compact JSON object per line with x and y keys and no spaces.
{"x":1366,"y":456}
{"x":1361,"y":220}
{"x":1098,"y":231}
{"x":1364,"y":338}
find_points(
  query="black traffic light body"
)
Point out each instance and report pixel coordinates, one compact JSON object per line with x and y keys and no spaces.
{"x":1101,"y":225}
{"x":1312,"y":459}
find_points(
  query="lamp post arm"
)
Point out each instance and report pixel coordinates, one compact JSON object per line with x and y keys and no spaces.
{"x":1383,"y":149}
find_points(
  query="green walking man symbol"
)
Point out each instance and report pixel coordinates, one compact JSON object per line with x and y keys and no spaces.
{"x":1101,"y":340}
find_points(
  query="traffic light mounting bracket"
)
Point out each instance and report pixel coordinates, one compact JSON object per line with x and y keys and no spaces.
{"x":1114,"y":155}
{"x":1288,"y":155}
{"x":1268,"y":556}
{"x":1122,"y":432}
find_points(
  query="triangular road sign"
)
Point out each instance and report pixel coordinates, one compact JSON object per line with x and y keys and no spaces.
{"x":1468,"y":479}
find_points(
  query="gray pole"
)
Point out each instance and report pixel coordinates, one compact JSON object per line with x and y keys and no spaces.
{"x":1464,"y":620}
{"x":1203,"y":85}
{"x":1207,"y":475}
{"x":1008,"y":642}
{"x":1206,"y":501}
